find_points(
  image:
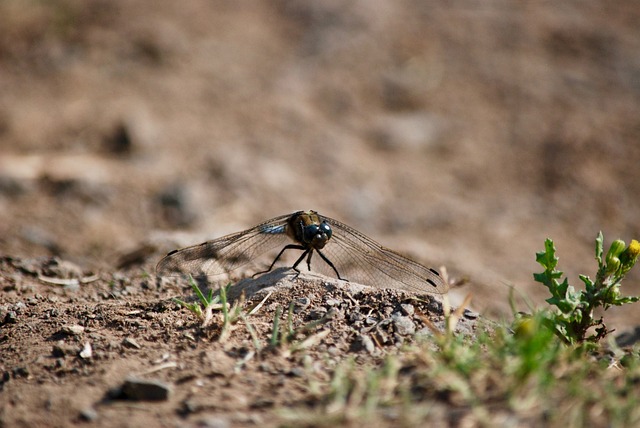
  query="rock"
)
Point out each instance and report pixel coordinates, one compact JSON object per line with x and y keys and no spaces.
{"x":317,"y":313}
{"x":86,"y":352}
{"x":89,"y":414}
{"x":404,"y":325}
{"x":300,"y":304}
{"x":363,"y":343}
{"x":72,"y":330}
{"x":407,"y":309}
{"x":131,"y":343}
{"x":10,"y":318}
{"x":145,"y":390}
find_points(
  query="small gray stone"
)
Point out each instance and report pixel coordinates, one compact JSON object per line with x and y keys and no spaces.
{"x":145,"y":390}
{"x":131,"y":343}
{"x":89,"y":414}
{"x":86,"y":352}
{"x":364,"y":342}
{"x":404,"y":325}
{"x":19,"y":306}
{"x":301,"y":304}
{"x":407,"y":309}
{"x":74,"y":329}
{"x":317,"y":313}
{"x":370,"y":320}
{"x":213,"y":422}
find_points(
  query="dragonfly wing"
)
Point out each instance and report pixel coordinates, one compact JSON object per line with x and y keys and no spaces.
{"x":227,"y":253}
{"x":360,"y":259}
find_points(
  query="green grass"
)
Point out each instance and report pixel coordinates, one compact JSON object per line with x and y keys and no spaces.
{"x":529,"y":377}
{"x":548,"y":368}
{"x":206,"y":305}
{"x":542,"y":370}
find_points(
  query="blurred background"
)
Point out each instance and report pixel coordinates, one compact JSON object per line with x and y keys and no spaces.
{"x":461,"y":133}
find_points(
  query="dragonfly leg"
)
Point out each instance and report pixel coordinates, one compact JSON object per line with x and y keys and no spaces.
{"x":309,"y":260}
{"x":331,"y":264}
{"x":307,"y":251}
{"x":295,"y":265}
{"x":286,"y":247}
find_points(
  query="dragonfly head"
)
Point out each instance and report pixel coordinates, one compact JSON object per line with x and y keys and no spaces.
{"x":317,"y":235}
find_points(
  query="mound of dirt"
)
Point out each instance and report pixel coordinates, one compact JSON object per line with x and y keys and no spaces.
{"x":118,"y":350}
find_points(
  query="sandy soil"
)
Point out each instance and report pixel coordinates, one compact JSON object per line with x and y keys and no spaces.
{"x":460,"y":134}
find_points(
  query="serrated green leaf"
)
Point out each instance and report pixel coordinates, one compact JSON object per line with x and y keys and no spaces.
{"x":547,"y":258}
{"x":563,"y":287}
{"x":589,"y":285}
{"x":542,"y":278}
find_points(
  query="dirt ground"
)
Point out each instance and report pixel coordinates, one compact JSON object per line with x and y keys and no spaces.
{"x":461,"y":134}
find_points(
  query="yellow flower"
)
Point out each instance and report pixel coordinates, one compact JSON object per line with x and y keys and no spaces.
{"x":629,"y":256}
{"x":634,"y":248}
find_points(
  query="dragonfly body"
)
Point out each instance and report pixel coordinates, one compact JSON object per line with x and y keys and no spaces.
{"x":349,"y":254}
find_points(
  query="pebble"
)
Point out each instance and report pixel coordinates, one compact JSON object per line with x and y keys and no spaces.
{"x":145,"y":390}
{"x":89,"y":414}
{"x":404,"y":325}
{"x":317,"y":313}
{"x":10,"y":318}
{"x":86,"y":352}
{"x":407,"y":309}
{"x":131,"y":343}
{"x":19,"y":306}
{"x":214,"y":422}
{"x":73,"y":329}
{"x":300,"y":304}
{"x":364,"y":342}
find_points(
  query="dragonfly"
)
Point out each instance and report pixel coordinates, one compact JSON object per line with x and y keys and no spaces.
{"x":342,"y":251}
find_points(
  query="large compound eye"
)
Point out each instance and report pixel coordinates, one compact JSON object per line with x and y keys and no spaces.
{"x":326,"y":229}
{"x":310,"y":232}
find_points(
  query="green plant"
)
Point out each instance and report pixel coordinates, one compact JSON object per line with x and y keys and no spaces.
{"x":204,"y":307}
{"x":207,"y":301}
{"x":575,"y":309}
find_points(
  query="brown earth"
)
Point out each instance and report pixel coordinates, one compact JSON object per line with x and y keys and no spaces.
{"x":458,"y":133}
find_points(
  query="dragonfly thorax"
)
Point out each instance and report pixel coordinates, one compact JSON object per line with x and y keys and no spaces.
{"x":309,"y":229}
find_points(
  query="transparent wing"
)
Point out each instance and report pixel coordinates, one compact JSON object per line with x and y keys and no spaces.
{"x":360,"y":259}
{"x":227,"y":253}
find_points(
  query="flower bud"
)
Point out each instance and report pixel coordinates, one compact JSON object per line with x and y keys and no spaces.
{"x":629,"y":256}
{"x":612,"y":260}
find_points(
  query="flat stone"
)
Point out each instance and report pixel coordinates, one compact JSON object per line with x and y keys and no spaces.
{"x":145,"y":390}
{"x":131,"y":343}
{"x":73,"y":329}
{"x":404,"y":325}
